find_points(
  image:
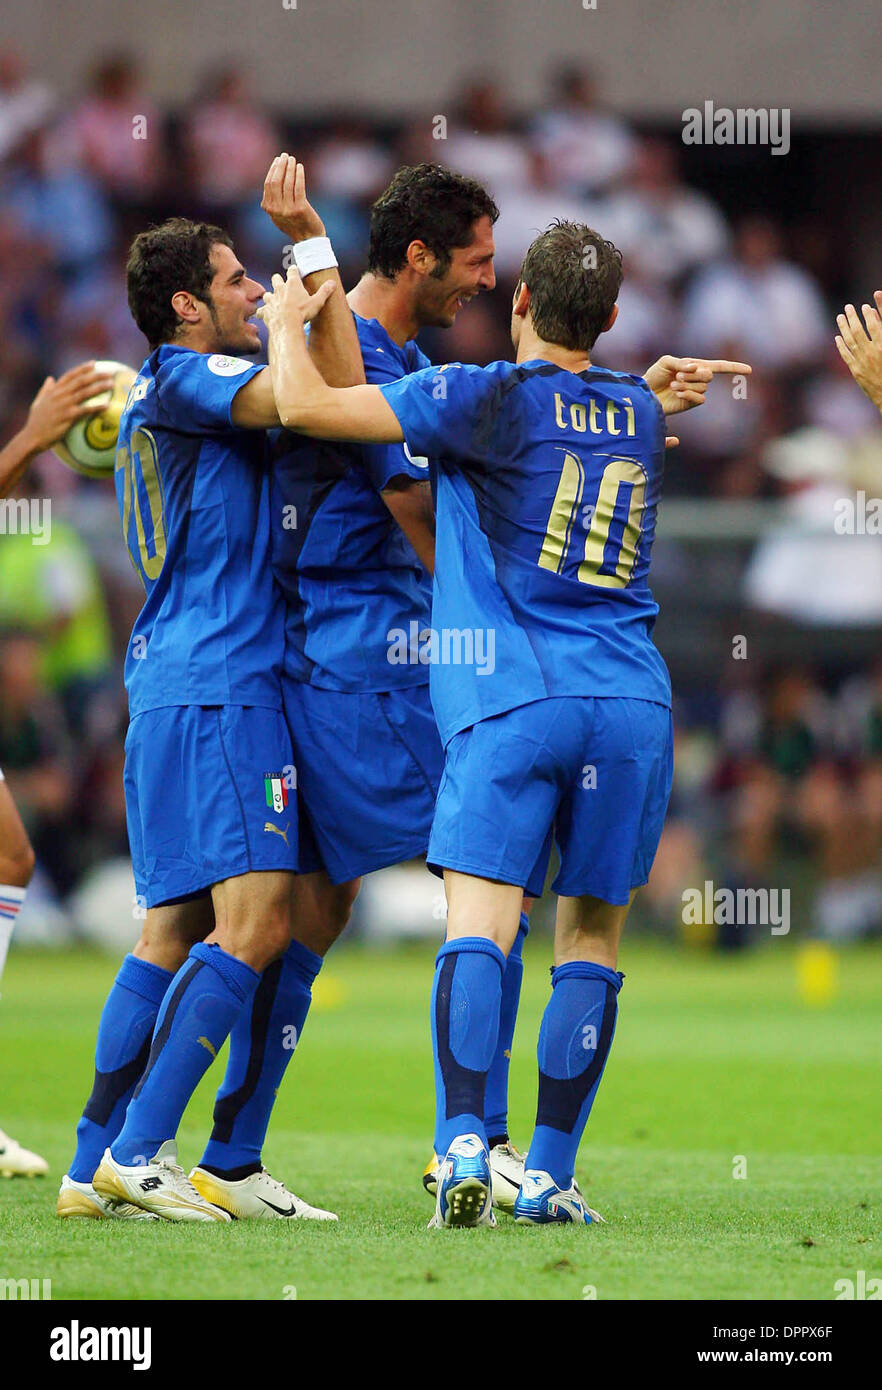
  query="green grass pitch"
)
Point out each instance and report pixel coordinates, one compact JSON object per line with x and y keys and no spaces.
{"x":713,"y":1059}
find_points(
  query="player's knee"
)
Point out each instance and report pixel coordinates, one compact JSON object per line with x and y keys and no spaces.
{"x":342,"y":904}
{"x":162,"y":947}
{"x":17,"y":864}
{"x":260,"y":950}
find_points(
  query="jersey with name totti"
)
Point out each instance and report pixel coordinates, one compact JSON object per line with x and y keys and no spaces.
{"x":352,"y":582}
{"x":193,"y":492}
{"x":546,"y":489}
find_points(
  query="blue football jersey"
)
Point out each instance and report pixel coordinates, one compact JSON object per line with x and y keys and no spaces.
{"x":546,"y":488}
{"x":351,"y":579}
{"x":193,"y":492}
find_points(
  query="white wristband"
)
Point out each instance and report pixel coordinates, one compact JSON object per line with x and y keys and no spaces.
{"x":314,"y":254}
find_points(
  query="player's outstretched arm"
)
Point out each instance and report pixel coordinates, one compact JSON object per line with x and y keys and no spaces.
{"x":680,"y":383}
{"x":333,"y":341}
{"x":254,"y":405}
{"x":304,"y":400}
{"x":861,"y":349}
{"x":53,"y":410}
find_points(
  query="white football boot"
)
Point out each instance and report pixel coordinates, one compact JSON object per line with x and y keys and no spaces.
{"x":463,"y":1196}
{"x":256,"y":1198}
{"x":16,"y":1162}
{"x":506,"y":1174}
{"x":81,"y":1199}
{"x":541,"y":1202}
{"x":160,"y":1186}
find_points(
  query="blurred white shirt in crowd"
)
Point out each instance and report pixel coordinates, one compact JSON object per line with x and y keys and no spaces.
{"x":774,"y":314}
{"x":586,"y":151}
{"x":808,"y":573}
{"x":667,"y":236}
{"x":350,"y":168}
{"x":498,"y":160}
{"x":24,"y":107}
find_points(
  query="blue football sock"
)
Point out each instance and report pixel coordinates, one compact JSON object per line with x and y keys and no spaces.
{"x":199,"y":1009}
{"x":466,"y":996}
{"x":261,"y":1045}
{"x":574,"y":1042}
{"x":121,"y":1054}
{"x":496,"y":1098}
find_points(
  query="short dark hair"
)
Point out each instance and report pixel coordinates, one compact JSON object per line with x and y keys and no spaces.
{"x":428,"y":203}
{"x":574,"y":277}
{"x":162,"y":260}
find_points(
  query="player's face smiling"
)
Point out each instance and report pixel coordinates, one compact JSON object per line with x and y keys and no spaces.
{"x":470,"y":271}
{"x":234,"y":301}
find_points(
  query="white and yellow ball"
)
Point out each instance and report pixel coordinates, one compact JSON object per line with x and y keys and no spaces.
{"x":89,"y":446}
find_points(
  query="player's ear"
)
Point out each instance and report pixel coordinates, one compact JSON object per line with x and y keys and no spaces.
{"x":420,"y":258}
{"x":185,"y":306}
{"x":521,"y":301}
{"x":613,"y":315}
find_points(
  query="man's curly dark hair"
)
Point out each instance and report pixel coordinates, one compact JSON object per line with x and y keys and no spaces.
{"x":163,"y":260}
{"x":427,"y":203}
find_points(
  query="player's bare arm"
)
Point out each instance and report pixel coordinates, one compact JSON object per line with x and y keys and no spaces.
{"x":304,"y":400}
{"x":410,"y":503}
{"x":680,"y":383}
{"x":860,"y":347}
{"x":254,"y":407}
{"x":333,"y":342}
{"x":56,"y":406}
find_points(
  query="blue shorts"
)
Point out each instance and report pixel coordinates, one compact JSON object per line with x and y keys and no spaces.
{"x":368,"y":767}
{"x":592,"y":774}
{"x":196,"y":797}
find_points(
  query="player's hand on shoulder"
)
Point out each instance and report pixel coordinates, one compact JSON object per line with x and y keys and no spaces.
{"x":680,"y":383}
{"x":58,"y":403}
{"x":289,"y":300}
{"x":285,"y":201}
{"x":860,"y":346}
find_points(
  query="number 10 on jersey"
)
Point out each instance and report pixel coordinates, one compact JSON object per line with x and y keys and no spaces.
{"x":563,"y":522}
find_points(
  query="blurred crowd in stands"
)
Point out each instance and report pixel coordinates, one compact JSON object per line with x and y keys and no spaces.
{"x":787,"y":763}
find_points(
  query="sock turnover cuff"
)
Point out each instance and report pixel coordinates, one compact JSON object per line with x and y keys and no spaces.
{"x":476,"y":945}
{"x":235,"y":973}
{"x":144,"y":978}
{"x":11,"y":899}
{"x":586,"y":970}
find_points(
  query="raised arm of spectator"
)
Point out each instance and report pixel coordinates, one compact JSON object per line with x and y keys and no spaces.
{"x":53,"y":410}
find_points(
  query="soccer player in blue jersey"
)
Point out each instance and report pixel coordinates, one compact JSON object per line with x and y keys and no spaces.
{"x":353,"y":539}
{"x":212,"y":819}
{"x":547,"y":475}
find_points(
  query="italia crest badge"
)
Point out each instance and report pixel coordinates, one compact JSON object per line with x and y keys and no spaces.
{"x":276,"y":792}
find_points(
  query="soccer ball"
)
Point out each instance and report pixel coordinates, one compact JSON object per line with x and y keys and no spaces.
{"x":89,"y":446}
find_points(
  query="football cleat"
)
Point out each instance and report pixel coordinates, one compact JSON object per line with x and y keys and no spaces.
{"x":430,"y":1175}
{"x":160,"y":1186}
{"x":81,"y":1199}
{"x":16,"y":1162}
{"x":541,"y":1202}
{"x":463,"y":1189}
{"x":506,"y":1172}
{"x":256,"y":1198}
